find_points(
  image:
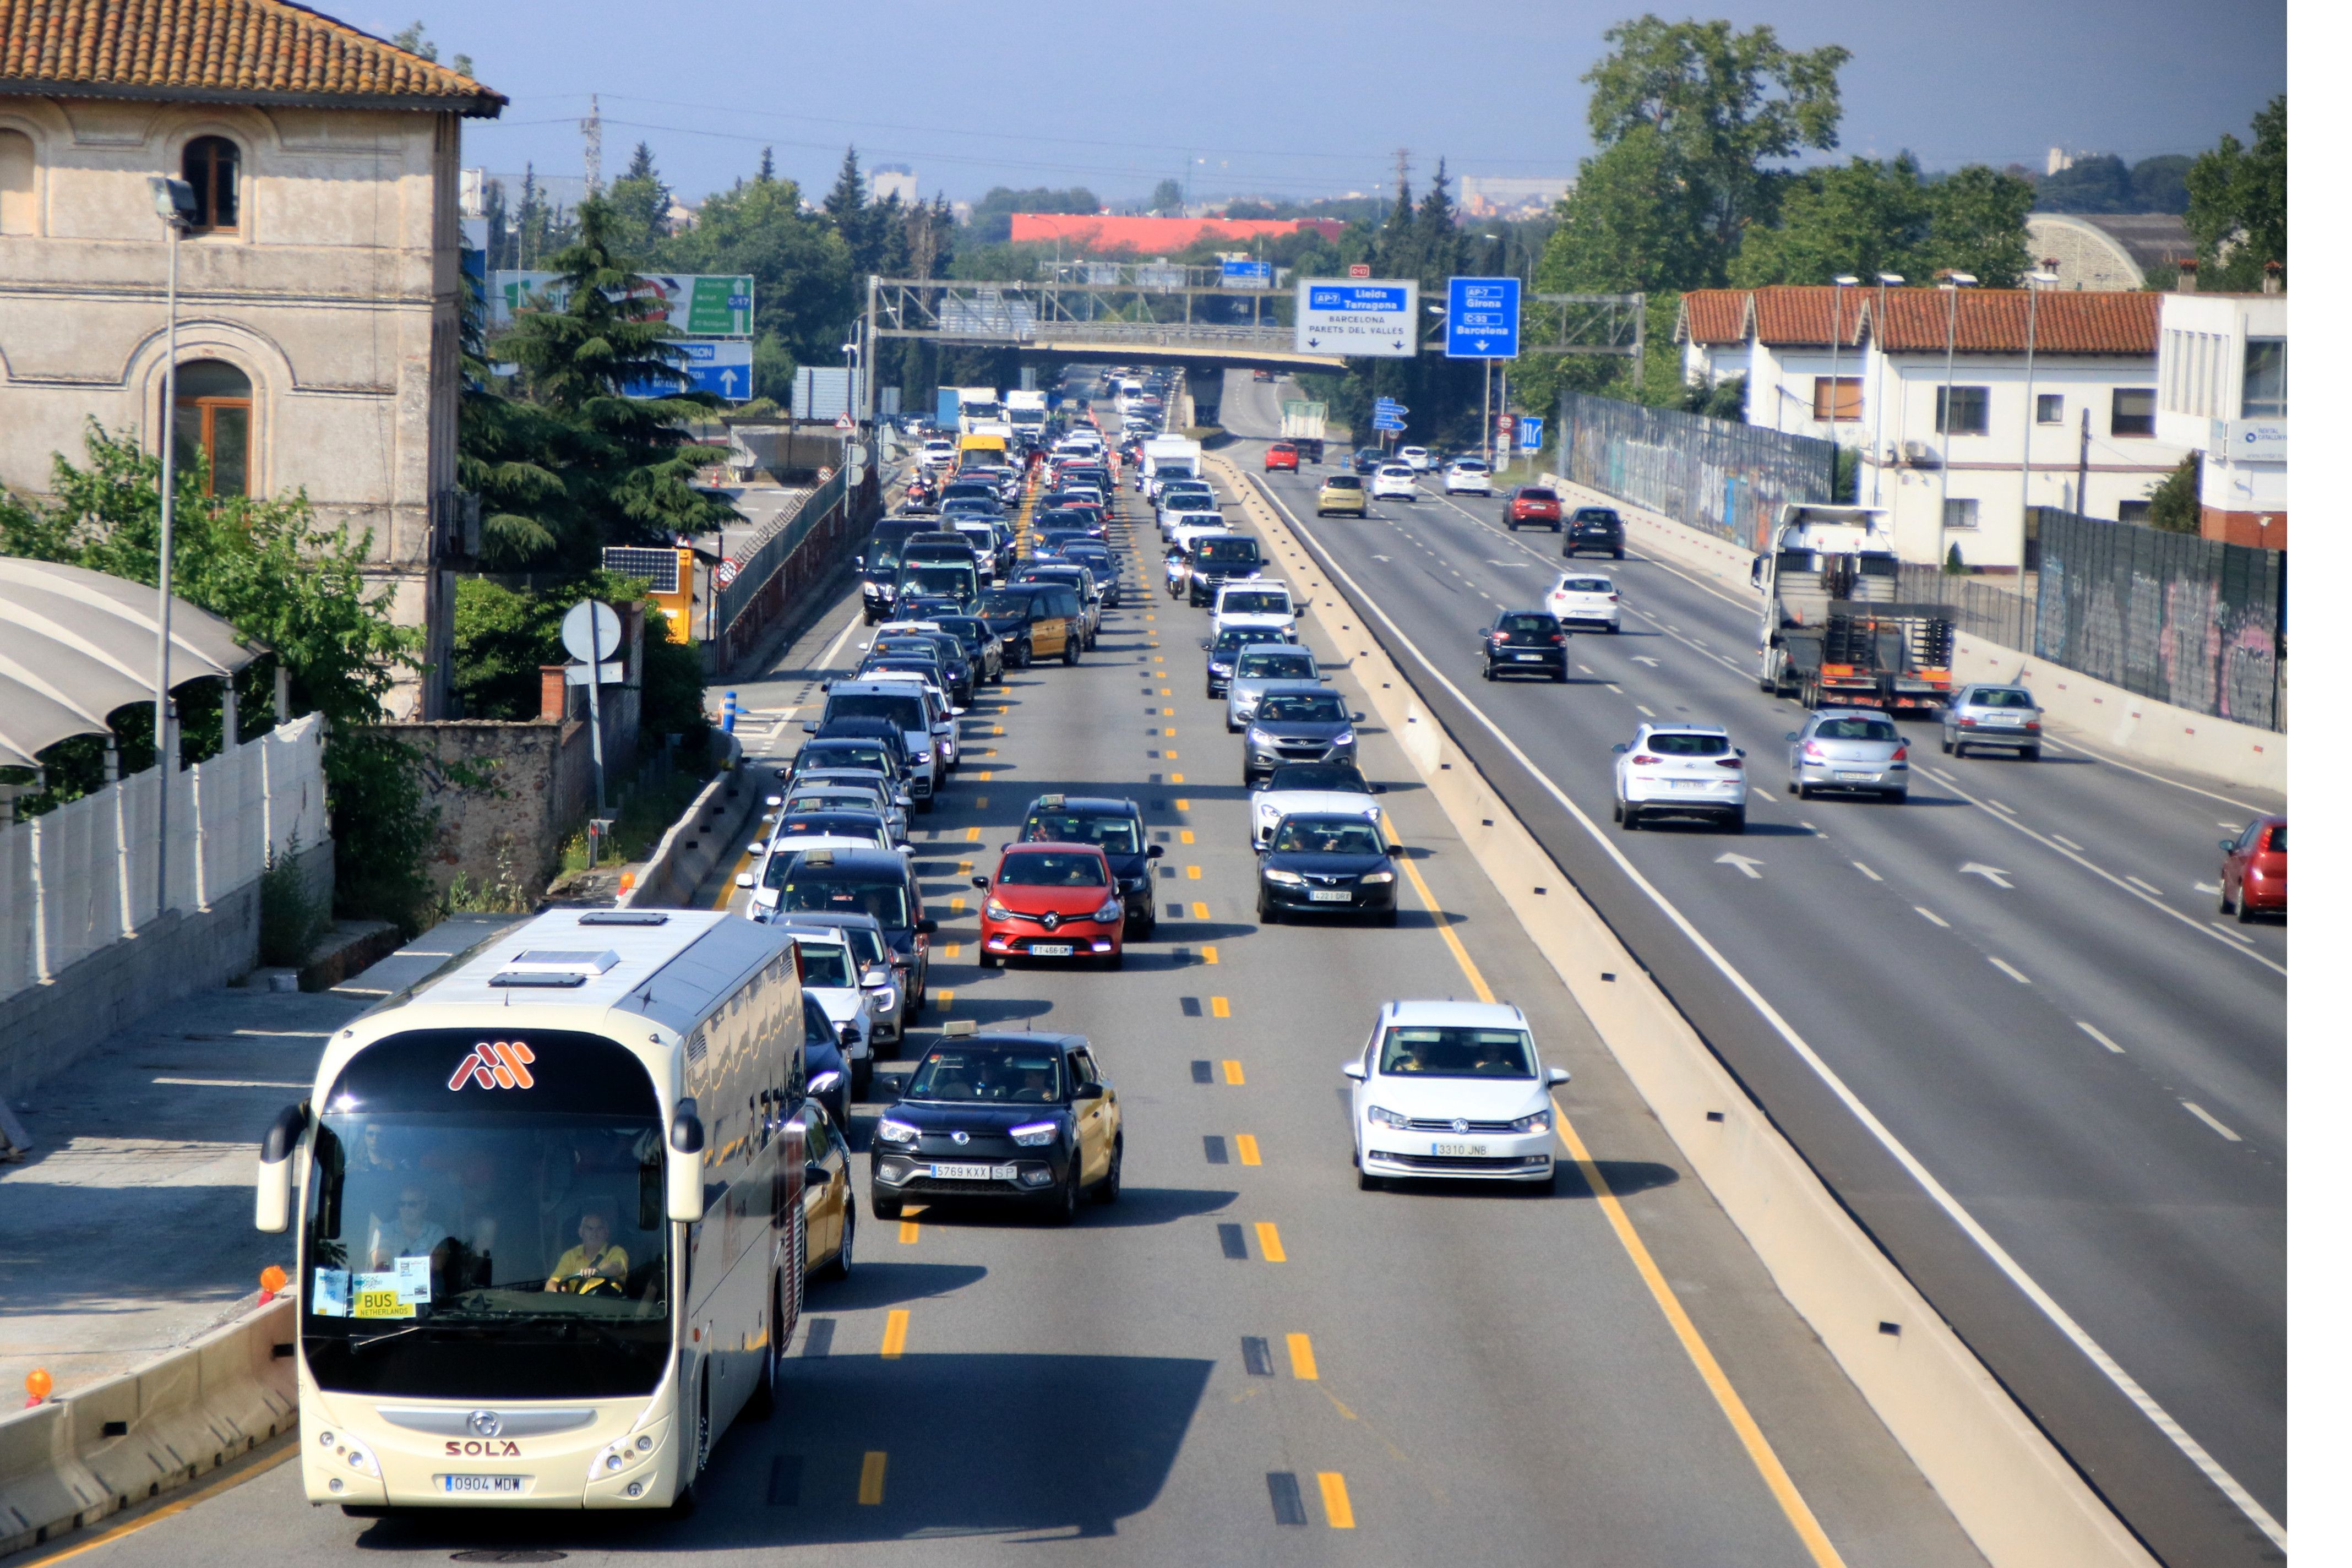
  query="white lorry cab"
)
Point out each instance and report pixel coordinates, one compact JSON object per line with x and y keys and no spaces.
{"x":547,"y":1210}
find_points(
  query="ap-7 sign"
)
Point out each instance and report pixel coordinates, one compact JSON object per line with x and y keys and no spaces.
{"x":1369,"y":319}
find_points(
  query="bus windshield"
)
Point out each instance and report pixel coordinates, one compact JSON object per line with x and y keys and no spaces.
{"x":485,"y":1220}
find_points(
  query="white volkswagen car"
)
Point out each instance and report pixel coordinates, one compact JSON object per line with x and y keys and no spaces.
{"x":1584,"y":599}
{"x":1417,"y":458}
{"x":1469,"y":477}
{"x":1452,"y":1091}
{"x":1682,"y":769}
{"x":1394,"y":481}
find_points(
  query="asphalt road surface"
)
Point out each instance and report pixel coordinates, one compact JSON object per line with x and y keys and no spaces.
{"x":1245,"y":1360}
{"x":2020,"y":974}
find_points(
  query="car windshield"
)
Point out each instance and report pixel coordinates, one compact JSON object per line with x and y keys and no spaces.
{"x":1317,"y":707}
{"x":967,"y":629}
{"x":1118,"y":834}
{"x":1343,"y":482}
{"x":1396,"y":471}
{"x":883,"y":557}
{"x":990,"y":1075}
{"x":1687,"y":745}
{"x":846,"y":754}
{"x":1469,"y":466}
{"x":1276,"y":666}
{"x":1051,"y":868}
{"x":1002,"y":605}
{"x":826,"y":964}
{"x":907,"y":712}
{"x":1857,"y":730}
{"x":2001,"y":697}
{"x":1596,"y":514}
{"x":1255,"y":602}
{"x":830,"y":800}
{"x":1339,"y":778}
{"x":1538,"y":493}
{"x":830,"y":824}
{"x":883,"y":897}
{"x":1529,"y":625}
{"x":1319,"y":837}
{"x":1457,"y":1053}
{"x":1586,"y":585}
{"x":1228,"y":551}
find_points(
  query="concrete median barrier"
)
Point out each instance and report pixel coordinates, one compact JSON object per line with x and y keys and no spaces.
{"x":702,"y":833}
{"x":2020,"y":1502}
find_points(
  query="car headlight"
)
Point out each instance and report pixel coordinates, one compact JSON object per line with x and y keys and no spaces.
{"x":1373,"y":876}
{"x":997,"y":912}
{"x":1345,"y":738}
{"x":1288,"y":878}
{"x":922,"y":756}
{"x":1257,"y":737}
{"x":1034,"y":1134}
{"x":1534,"y":1121}
{"x":885,"y":997}
{"x":894,"y":1131}
{"x":1380,"y":1117}
{"x":1110,"y":911}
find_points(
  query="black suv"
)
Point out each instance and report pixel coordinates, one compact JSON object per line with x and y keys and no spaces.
{"x":1596,"y":527}
{"x":1524,"y":642}
{"x":1216,"y":558}
{"x":1114,"y":826}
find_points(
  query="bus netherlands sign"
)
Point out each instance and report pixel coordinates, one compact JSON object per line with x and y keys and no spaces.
{"x":1482,"y":318}
{"x":1369,"y":319}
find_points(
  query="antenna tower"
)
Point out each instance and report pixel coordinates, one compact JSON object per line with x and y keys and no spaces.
{"x":592,"y":131}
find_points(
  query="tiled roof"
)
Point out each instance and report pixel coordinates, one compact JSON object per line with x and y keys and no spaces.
{"x":1993,"y":321}
{"x":1713,"y":316}
{"x":217,"y":51}
{"x":1799,"y":314}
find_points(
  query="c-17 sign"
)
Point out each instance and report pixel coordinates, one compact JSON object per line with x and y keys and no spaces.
{"x":1368,"y":317}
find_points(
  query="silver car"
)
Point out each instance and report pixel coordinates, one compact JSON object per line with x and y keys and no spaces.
{"x":1847,"y":749}
{"x":1258,"y":666}
{"x":2004,"y":716}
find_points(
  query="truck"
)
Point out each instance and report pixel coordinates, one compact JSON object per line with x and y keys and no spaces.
{"x":1834,"y":631}
{"x":950,"y":410}
{"x":976,"y":403}
{"x":1302,"y":427}
{"x":1165,"y":457}
{"x":1026,"y":412}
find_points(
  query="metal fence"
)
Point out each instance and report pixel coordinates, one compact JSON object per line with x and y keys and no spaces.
{"x":1727,"y":479}
{"x":769,"y":551}
{"x":2171,"y":616}
{"x":1979,"y":608}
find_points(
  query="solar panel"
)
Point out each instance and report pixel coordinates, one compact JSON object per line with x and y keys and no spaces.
{"x":658,"y":567}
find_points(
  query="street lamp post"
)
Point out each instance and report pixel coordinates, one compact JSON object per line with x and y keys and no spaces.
{"x":1837,"y":323}
{"x":1878,"y":392}
{"x":176,"y":203}
{"x":1951,"y":282}
{"x":2034,"y":283}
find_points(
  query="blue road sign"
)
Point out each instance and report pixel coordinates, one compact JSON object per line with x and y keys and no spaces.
{"x":1482,"y":318}
{"x":1389,"y":406}
{"x":1383,"y":422}
{"x":1249,"y":275}
{"x":720,"y":366}
{"x":1531,"y":432}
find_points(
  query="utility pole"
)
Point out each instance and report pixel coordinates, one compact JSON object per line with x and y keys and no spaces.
{"x":2083,"y":469}
{"x":176,"y":203}
{"x":1878,"y":386}
{"x":1952,"y":283}
{"x":592,"y":131}
{"x":2025,"y":459}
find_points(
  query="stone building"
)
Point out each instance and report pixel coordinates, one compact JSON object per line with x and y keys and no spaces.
{"x":319,"y":284}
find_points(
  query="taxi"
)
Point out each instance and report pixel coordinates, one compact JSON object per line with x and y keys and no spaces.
{"x":1052,"y":900}
{"x":1035,"y":620}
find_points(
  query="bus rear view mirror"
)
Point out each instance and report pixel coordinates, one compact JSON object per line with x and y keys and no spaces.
{"x":684,"y":1197}
{"x":273,"y":1192}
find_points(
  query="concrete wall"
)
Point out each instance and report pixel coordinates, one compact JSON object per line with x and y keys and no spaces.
{"x":508,"y":794}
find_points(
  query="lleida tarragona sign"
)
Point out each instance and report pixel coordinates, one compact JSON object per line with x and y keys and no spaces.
{"x":1370,"y":318}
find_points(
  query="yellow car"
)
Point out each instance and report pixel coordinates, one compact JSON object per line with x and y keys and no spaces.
{"x":1340,"y":492}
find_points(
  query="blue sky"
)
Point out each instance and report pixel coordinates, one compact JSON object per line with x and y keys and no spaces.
{"x":1301,"y":100}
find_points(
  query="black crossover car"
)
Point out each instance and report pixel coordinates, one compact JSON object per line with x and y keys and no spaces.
{"x":1524,"y":642}
{"x":1027,"y":1117}
{"x":1326,"y":864}
{"x":1597,"y":528}
{"x":1114,"y":826}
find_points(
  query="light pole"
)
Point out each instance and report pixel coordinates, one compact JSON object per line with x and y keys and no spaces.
{"x":2033,"y":284}
{"x":1878,"y":392}
{"x":176,"y":203}
{"x":1837,"y":325}
{"x":1951,"y":282}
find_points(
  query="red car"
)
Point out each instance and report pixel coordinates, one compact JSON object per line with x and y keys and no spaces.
{"x":2254,"y":869}
{"x":1533,"y":505}
{"x":1282,"y":455}
{"x":1052,"y":900}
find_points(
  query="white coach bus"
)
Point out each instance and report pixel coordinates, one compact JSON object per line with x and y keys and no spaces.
{"x":547,"y":1217}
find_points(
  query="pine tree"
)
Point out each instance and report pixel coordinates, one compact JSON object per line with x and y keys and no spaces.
{"x":640,"y":206}
{"x":767,"y":174}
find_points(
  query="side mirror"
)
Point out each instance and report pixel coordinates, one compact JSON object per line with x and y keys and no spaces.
{"x":1353,"y":1068}
{"x":1555,"y":1076}
{"x":775,"y":800}
{"x":926,"y":927}
{"x":1086,"y":1092}
{"x":273,"y":1187}
{"x":742,"y":878}
{"x":1396,"y":849}
{"x":1739,"y":751}
{"x":1355,"y":718}
{"x":2228,"y":845}
{"x":874,"y":978}
{"x":1205,"y":645}
{"x":814,"y":1175}
{"x":1619,"y":747}
{"x":683,"y":1171}
{"x":808,"y":727}
{"x":977,"y":881}
{"x":1790,"y":736}
{"x":1153,"y":852}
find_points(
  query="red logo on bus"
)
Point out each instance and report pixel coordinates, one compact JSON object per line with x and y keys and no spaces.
{"x":495,"y":1064}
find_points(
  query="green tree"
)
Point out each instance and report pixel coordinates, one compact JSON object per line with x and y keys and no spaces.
{"x":799,"y":264}
{"x":992,"y":215}
{"x":2237,"y":203}
{"x":2099,"y":183}
{"x":1976,"y":224}
{"x":640,"y":202}
{"x":1862,"y":218}
{"x":2161,"y":185}
{"x":1168,"y":196}
{"x":2175,"y":505}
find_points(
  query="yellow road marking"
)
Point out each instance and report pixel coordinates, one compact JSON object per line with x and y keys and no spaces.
{"x":1165,"y":692}
{"x":1160,"y":659}
{"x":869,"y":1477}
{"x":1208,"y":955}
{"x":1233,"y":1072}
{"x":1151,"y":617}
{"x":945,"y":1000}
{"x":1200,"y":911}
{"x":1246,"y":1145}
{"x":996,"y":730}
{"x":894,"y":1333}
{"x":954,"y":949}
{"x":1169,"y":733}
{"x":1220,"y":1008}
{"x":1179,"y":777}
{"x":1269,"y":1241}
{"x":1185,"y":834}
{"x":1335,"y":1500}
{"x":955,"y":906}
{"x":1168,"y":712}
{"x":985,"y":775}
{"x":1302,"y":1358}
{"x":1793,"y":1507}
{"x":182,"y":1504}
{"x":726,"y":891}
{"x":979,"y":801}
{"x":1182,"y":804}
{"x":963,"y":868}
{"x":1175,"y":778}
{"x":972,"y":834}
{"x":1194,"y":872}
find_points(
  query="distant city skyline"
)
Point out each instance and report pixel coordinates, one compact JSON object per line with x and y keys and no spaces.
{"x":970,"y":104}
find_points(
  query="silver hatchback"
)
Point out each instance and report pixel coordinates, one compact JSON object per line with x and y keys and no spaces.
{"x":2004,"y":716}
{"x":1845,"y":749}
{"x":1260,"y":666}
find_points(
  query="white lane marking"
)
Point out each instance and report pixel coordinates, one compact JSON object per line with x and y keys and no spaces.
{"x":1760,"y":795}
{"x":2215,"y":888}
{"x":1614,"y":687}
{"x":2000,"y":806}
{"x":1868,"y":872}
{"x":2098,"y":1037}
{"x":827,"y":661}
{"x":1585,"y":668}
{"x":2196,"y":1110}
{"x":1810,"y":828}
{"x":2062,"y":838}
{"x":2009,"y":969}
{"x":1646,"y":712}
{"x":2150,"y":887}
{"x":2047,"y":1304}
{"x":2232,"y":934}
{"x":1646,"y":659}
{"x":1746,"y":866}
{"x":1993,"y":874}
{"x":1932,"y":915}
{"x":227,"y":1083}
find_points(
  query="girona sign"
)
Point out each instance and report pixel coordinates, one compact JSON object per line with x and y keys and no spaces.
{"x":495,"y":1064}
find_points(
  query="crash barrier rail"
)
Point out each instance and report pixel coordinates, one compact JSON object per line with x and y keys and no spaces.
{"x":2017,"y":1497}
{"x":795,"y":553}
{"x":1728,"y":478}
{"x":82,"y":878}
{"x":75,"y":1459}
{"x":698,"y":838}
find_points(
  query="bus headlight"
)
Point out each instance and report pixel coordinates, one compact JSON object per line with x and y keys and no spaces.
{"x":624,"y":1453}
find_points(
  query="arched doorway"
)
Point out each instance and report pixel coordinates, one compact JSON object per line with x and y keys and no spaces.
{"x":212,"y":425}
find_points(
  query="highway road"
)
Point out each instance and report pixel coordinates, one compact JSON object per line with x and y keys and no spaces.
{"x":1245,"y":1360}
{"x":2018,"y":977}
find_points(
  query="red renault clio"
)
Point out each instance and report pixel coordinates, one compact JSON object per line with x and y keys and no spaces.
{"x":1052,"y":900}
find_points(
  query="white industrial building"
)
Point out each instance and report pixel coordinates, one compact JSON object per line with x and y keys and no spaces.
{"x":2221,"y":389}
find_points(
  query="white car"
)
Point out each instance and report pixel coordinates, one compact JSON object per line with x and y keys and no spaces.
{"x":939,"y":454}
{"x":1254,"y":604}
{"x":1417,"y":458}
{"x":1468,"y":476}
{"x":1321,"y":789}
{"x":1583,"y":599}
{"x":1193,"y":519}
{"x":1682,"y":769}
{"x":1394,"y":481}
{"x":829,"y":973}
{"x":1452,"y":1091}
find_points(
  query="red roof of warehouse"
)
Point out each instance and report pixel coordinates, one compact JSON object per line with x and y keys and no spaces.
{"x":1156,"y":236}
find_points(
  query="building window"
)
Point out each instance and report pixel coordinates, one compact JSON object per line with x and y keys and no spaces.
{"x":1960,"y":513}
{"x":2264,"y":395}
{"x":213,"y":425}
{"x":2133,"y":511}
{"x":1838,"y":397}
{"x":2050,"y":408}
{"x":210,"y":167}
{"x":1961,"y":410}
{"x":16,"y":205}
{"x":2134,"y":413}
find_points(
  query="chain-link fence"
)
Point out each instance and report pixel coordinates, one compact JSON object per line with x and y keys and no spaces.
{"x":1728,"y":478}
{"x":2171,"y":616}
